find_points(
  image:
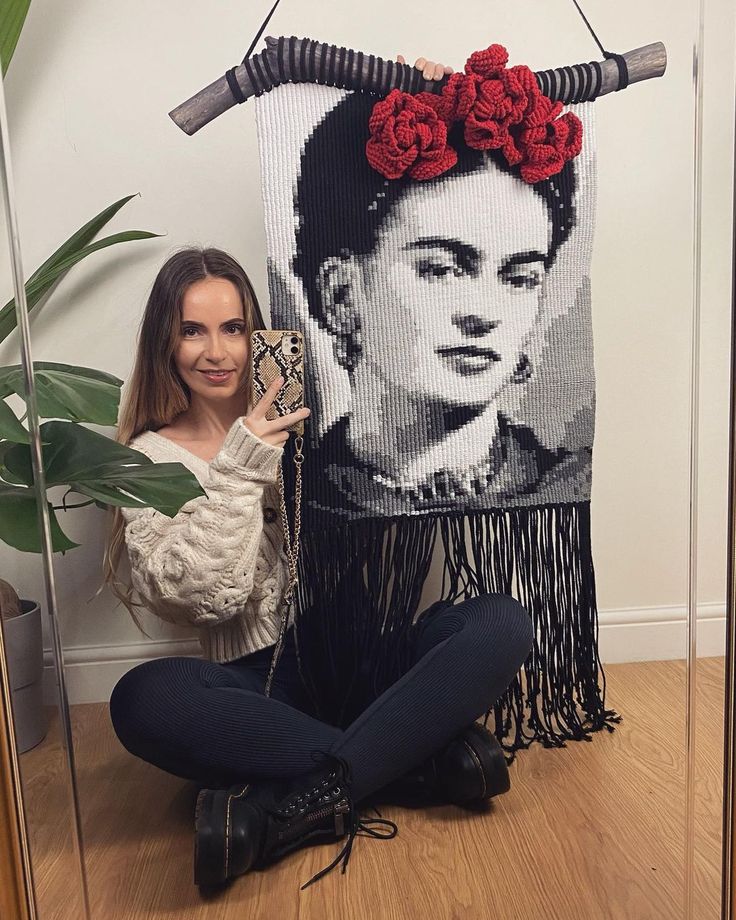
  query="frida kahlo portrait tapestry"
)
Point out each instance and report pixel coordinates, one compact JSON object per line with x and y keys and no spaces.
{"x":435,"y":254}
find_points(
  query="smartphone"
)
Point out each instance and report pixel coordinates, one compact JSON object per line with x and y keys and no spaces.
{"x":279,"y":352}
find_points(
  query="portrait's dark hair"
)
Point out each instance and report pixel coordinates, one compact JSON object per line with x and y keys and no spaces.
{"x":342,"y":202}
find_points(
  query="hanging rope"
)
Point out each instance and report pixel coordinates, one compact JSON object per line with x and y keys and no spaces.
{"x":623,"y":70}
{"x":232,"y":82}
{"x":260,"y":31}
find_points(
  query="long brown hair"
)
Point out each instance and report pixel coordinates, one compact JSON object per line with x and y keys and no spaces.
{"x":156,"y":394}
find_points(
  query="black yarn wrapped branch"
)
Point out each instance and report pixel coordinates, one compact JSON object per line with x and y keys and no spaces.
{"x":303,"y":60}
{"x":364,"y":585}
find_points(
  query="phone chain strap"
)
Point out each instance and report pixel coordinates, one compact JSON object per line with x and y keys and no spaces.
{"x":291,"y":548}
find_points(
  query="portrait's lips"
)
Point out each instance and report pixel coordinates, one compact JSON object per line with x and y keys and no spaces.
{"x":217,"y":376}
{"x":469,"y":360}
{"x":469,"y":350}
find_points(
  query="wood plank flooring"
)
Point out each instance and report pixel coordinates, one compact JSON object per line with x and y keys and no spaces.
{"x":588,"y":832}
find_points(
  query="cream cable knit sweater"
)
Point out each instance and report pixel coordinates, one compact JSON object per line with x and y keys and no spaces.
{"x":219,"y":564}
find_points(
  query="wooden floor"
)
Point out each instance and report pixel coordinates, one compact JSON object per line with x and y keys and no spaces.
{"x":592,"y":831}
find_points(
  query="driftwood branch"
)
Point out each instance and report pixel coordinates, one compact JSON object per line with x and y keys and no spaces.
{"x":301,"y":60}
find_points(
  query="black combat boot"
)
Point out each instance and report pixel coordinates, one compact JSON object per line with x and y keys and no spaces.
{"x":469,"y":769}
{"x":254,"y":824}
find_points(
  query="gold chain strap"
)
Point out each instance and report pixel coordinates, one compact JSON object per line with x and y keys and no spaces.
{"x":291,"y":548}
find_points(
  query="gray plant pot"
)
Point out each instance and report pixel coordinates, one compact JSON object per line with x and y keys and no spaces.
{"x":24,"y":651}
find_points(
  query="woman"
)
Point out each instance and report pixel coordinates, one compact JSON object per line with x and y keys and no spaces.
{"x":219,"y":565}
{"x":432,"y":290}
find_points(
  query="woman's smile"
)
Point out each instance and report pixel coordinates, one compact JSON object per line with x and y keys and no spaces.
{"x":217,"y":376}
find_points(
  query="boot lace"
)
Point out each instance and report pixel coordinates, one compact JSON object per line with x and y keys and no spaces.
{"x":358,"y":826}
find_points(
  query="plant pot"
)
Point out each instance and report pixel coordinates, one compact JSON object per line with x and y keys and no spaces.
{"x":24,"y":654}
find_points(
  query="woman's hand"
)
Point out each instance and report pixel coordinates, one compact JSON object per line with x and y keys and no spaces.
{"x":272,"y":431}
{"x":430,"y":70}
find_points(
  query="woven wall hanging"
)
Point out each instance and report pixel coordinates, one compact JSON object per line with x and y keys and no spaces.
{"x":441,"y":282}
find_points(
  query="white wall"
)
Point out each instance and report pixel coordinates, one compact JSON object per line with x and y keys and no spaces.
{"x":88,"y":95}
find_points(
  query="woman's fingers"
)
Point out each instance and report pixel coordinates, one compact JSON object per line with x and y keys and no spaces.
{"x":264,"y":403}
{"x":430,"y":69}
{"x":273,"y":431}
{"x":284,"y":421}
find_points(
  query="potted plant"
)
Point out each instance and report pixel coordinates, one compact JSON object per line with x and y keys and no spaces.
{"x":24,"y":654}
{"x":87,"y":463}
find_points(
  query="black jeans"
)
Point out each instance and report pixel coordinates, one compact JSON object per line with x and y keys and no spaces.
{"x":211,"y":722}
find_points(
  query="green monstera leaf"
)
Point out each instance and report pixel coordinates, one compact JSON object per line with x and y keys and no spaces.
{"x":79,"y":394}
{"x":108,"y":472}
{"x":10,"y":426}
{"x":19,"y":521}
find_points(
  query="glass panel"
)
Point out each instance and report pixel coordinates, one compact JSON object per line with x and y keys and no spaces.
{"x":587,"y":830}
{"x":715,"y":391}
{"x":32,"y":646}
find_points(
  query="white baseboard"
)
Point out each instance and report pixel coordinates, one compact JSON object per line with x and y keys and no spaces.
{"x":91,"y":671}
{"x":643,"y":634}
{"x":659,"y":633}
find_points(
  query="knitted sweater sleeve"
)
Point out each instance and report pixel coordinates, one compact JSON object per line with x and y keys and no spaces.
{"x":199,"y":566}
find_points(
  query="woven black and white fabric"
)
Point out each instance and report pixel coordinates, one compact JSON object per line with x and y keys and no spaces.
{"x":449,"y":369}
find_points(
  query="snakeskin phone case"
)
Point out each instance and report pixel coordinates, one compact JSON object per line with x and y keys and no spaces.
{"x":279,"y":352}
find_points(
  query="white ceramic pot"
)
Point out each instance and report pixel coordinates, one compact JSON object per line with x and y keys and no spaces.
{"x":24,"y":652}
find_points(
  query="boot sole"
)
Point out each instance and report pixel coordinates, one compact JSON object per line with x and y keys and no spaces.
{"x":211,"y":847}
{"x":493,"y":771}
{"x":209,"y":841}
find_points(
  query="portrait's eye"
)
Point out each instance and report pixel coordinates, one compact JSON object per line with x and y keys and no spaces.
{"x":234,"y":328}
{"x":189,"y":331}
{"x":431,"y":269}
{"x":526,"y":277}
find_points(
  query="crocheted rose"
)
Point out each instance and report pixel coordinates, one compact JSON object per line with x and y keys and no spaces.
{"x":457,"y":98}
{"x":407,"y":135}
{"x":545,"y":149}
{"x":540,"y":110}
{"x":488,"y":63}
{"x":502,"y":109}
{"x":499,"y":103}
{"x":461,"y":90}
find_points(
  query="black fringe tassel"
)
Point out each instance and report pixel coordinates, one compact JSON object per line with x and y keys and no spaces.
{"x":360,"y":585}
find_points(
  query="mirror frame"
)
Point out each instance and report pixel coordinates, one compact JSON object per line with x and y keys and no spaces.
{"x":17,"y":897}
{"x":728,"y":870}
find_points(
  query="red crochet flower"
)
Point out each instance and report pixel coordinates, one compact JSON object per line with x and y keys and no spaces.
{"x":408,"y":136}
{"x":457,"y":98}
{"x":540,"y":111}
{"x":461,"y":91}
{"x":502,"y":108}
{"x":526,"y":125}
{"x":545,"y":149}
{"x":488,"y":63}
{"x":500,"y":102}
